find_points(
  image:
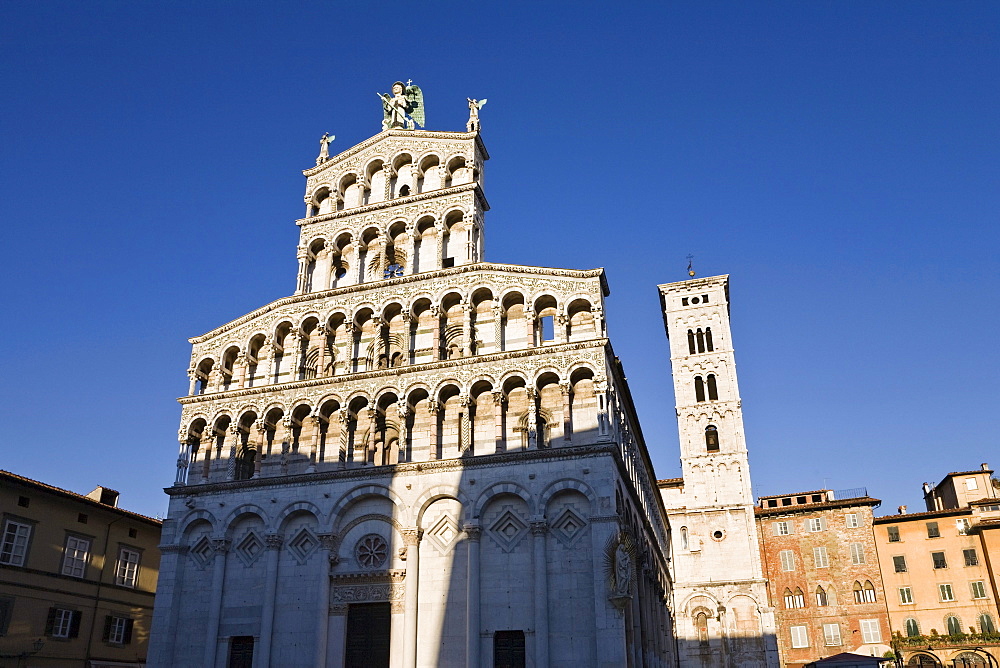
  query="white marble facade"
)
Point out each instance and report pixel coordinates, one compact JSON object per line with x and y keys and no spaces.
{"x":417,"y":459}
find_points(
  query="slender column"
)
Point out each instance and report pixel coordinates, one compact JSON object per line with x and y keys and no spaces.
{"x":467,"y":344}
{"x":415,"y":182}
{"x":344,"y":419}
{"x":407,"y":338}
{"x":272,"y":542}
{"x":350,"y":360}
{"x":559,"y":324}
{"x":372,"y":415}
{"x":382,"y":335}
{"x":258,"y":454}
{"x":497,"y":329}
{"x":498,"y":408}
{"x":601,"y":390}
{"x":472,"y":611}
{"x":529,"y":319}
{"x":234,"y":439}
{"x":312,"y":423}
{"x":435,"y":333}
{"x":293,"y":347}
{"x":411,"y":244}
{"x":207,"y":440}
{"x":183,"y":461}
{"x":411,"y":538}
{"x":567,"y":412}
{"x":327,"y":541}
{"x":213,"y":380}
{"x":532,"y":419}
{"x":192,"y":380}
{"x":241,"y":370}
{"x":286,"y":442}
{"x":387,"y":172}
{"x":433,"y":407}
{"x":465,"y":425}
{"x":220,"y":546}
{"x":439,"y":239}
{"x":598,"y":314}
{"x":322,"y":331}
{"x":265,"y":361}
{"x":303,"y":257}
{"x":538,"y":531}
{"x":403,"y":410}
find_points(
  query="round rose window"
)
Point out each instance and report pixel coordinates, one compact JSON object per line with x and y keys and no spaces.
{"x":371,"y":551}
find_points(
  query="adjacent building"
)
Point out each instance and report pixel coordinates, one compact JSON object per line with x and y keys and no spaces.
{"x":939,"y":568}
{"x":823,"y":574}
{"x":77,"y":577}
{"x":419,"y":458}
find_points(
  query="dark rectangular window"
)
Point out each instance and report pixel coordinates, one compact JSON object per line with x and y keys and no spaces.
{"x":684,"y":301}
{"x":893,"y":534}
{"x":448,"y":262}
{"x":6,"y":612}
{"x":899,"y":564}
{"x":548,"y":328}
{"x":82,"y":518}
{"x":23,"y":501}
{"x":508,"y":649}
{"x":132,"y":533}
{"x":939,"y":560}
{"x":240,"y":652}
{"x":932,"y":530}
{"x":971,"y":558}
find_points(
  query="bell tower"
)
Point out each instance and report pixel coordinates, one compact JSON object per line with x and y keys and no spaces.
{"x":720,"y":594}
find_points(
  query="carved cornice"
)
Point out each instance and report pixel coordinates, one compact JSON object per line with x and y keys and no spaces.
{"x":396,"y":372}
{"x":399,"y":201}
{"x":402,"y":280}
{"x":395,"y":470}
{"x":406,"y":134}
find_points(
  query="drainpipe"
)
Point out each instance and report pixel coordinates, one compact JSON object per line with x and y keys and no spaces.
{"x":100,"y":581}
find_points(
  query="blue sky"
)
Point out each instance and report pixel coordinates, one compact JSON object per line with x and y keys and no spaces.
{"x":838,"y":160}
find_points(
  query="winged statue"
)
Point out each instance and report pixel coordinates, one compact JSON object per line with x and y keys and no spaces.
{"x":474,"y":107}
{"x":403,"y":108}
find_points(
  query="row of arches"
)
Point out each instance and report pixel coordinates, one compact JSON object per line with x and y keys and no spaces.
{"x":421,"y":424}
{"x":382,"y":179}
{"x":391,"y":336}
{"x":349,"y":257}
{"x":952,"y":625}
{"x":700,"y":341}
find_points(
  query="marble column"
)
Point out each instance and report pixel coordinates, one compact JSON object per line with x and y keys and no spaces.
{"x":472,"y":610}
{"x":465,"y":425}
{"x":407,"y":337}
{"x":403,"y":411}
{"x":241,"y":369}
{"x":272,"y":543}
{"x":233,"y":436}
{"x":467,"y":343}
{"x":498,"y":410}
{"x":321,"y":332}
{"x":312,"y":423}
{"x":183,"y":460}
{"x":529,"y":322}
{"x":435,"y":333}
{"x":411,"y":538}
{"x":192,"y":381}
{"x":303,"y":258}
{"x":434,"y":408}
{"x":344,"y":420}
{"x":532,"y":418}
{"x":258,"y":454}
{"x":497,"y":329}
{"x":539,"y":529}
{"x":220,"y":547}
{"x":327,"y":541}
{"x":567,"y":412}
{"x":207,"y":441}
{"x":559,"y":325}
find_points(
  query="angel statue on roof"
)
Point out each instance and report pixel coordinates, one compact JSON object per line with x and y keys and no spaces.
{"x":404,"y":108}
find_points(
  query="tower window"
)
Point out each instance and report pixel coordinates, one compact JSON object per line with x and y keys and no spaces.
{"x":393,"y":271}
{"x":711,"y":438}
{"x":713,"y":391}
{"x":708,"y":339}
{"x":548,"y":328}
{"x":700,"y":336}
{"x":699,"y":389}
{"x":404,"y":191}
{"x":691,"y":348}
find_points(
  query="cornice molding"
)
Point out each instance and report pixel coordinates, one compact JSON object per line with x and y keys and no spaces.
{"x":406,"y":134}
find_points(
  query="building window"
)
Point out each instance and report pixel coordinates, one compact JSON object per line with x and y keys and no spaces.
{"x":971,"y":484}
{"x":15,"y":543}
{"x":509,"y":649}
{"x":871,"y":631}
{"x":831,"y":634}
{"x":899,"y":564}
{"x":905,"y":595}
{"x":978,"y":590}
{"x":794,"y":599}
{"x":939,"y":560}
{"x":857,"y":553}
{"x":691,"y":348}
{"x":701,"y":624}
{"x":945,"y":592}
{"x":699,"y":389}
{"x":954,"y":625}
{"x":782,"y":528}
{"x":800,"y":636}
{"x":911,"y":627}
{"x":787,"y":560}
{"x":893,"y":534}
{"x":117,"y":630}
{"x":62,"y":623}
{"x":820,"y":557}
{"x":986,"y":624}
{"x":75,"y":556}
{"x":963,"y":526}
{"x":816,"y":524}
{"x":932,"y":530}
{"x":711,"y":438}
{"x":128,"y":567}
{"x":971,"y":558}
{"x":822,"y":599}
{"x":6,"y":613}
{"x":852,"y":520}
{"x":864,"y":593}
{"x":709,"y":345}
{"x":713,"y":391}
{"x":23,"y":501}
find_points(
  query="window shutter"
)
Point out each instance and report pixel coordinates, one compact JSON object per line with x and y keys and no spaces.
{"x":108,"y":621}
{"x":74,"y":624}
{"x":822,"y":524}
{"x":50,"y":621}
{"x":128,"y":632}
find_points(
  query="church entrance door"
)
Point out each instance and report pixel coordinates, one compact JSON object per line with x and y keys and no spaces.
{"x":241,"y":652}
{"x":367,"y":636}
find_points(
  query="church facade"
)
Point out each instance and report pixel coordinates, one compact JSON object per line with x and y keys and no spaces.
{"x":419,"y":458}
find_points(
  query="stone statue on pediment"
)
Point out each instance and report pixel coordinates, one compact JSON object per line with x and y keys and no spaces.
{"x":403,"y":108}
{"x":474,"y":106}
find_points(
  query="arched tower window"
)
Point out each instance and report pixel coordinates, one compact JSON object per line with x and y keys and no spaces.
{"x":713,"y":391}
{"x":709,"y":346}
{"x":691,"y":348}
{"x":869,"y":592}
{"x":684,"y":538}
{"x":700,"y":337}
{"x":821,"y":598}
{"x":699,"y":389}
{"x":701,"y":624}
{"x":711,"y":438}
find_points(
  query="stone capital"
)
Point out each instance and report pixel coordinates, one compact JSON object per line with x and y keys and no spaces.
{"x":412,"y":536}
{"x":220,"y":545}
{"x":539,"y":528}
{"x":327,"y":541}
{"x":274,"y":541}
{"x":473,"y":531}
